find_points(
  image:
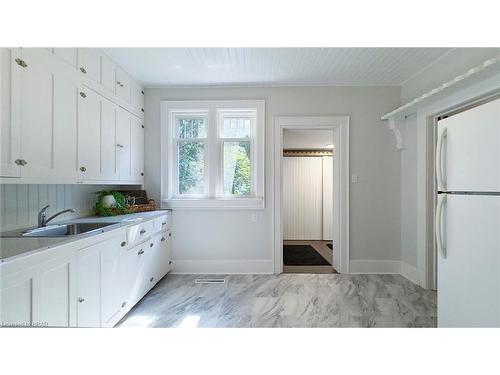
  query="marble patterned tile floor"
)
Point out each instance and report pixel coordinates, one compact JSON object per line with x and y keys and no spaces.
{"x":286,"y":300}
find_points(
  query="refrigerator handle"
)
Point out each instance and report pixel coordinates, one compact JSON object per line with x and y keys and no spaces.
{"x":438,"y":225}
{"x":439,"y":160}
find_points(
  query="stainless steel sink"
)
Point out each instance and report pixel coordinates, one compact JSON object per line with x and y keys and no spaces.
{"x":61,"y":230}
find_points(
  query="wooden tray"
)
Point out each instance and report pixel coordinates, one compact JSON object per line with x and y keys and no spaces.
{"x":151,"y":206}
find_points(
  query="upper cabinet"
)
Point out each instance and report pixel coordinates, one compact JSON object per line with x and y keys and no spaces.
{"x":10,"y":132}
{"x":59,"y":113}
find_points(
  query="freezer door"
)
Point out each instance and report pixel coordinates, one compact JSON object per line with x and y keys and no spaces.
{"x":469,"y":265}
{"x":468,"y":150}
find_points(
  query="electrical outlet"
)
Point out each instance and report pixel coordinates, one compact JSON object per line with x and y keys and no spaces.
{"x":255,"y":217}
{"x":354,"y":178}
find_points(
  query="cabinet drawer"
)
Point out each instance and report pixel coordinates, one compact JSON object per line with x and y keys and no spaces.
{"x":140,"y":232}
{"x":163,"y":223}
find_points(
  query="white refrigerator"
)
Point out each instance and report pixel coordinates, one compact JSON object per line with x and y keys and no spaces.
{"x":468,"y":218}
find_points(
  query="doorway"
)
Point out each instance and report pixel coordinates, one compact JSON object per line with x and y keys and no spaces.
{"x":307,"y":183}
{"x":311,"y":216}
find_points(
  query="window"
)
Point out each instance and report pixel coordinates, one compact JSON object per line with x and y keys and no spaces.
{"x":213,"y":154}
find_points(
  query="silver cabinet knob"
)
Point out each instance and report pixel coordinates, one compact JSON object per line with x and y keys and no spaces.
{"x":164,"y":223}
{"x":142,"y":231}
{"x":83,"y":70}
{"x":162,"y":239}
{"x":83,"y":169}
{"x":81,"y":299}
{"x":170,"y":234}
{"x":151,"y":244}
{"x":123,"y":244}
{"x":151,"y":279}
{"x":124,"y":304}
{"x":119,"y":145}
{"x":140,"y":252}
{"x":82,"y":94}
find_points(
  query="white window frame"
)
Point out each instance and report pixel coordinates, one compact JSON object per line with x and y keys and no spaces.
{"x":215,"y":111}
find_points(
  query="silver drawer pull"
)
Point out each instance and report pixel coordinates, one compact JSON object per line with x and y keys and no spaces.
{"x":151,"y":244}
{"x":124,"y":304}
{"x":123,"y":244}
{"x":170,"y":234}
{"x":82,"y":94}
{"x":164,"y":223}
{"x":162,"y":239}
{"x":83,"y":70}
{"x":151,"y":279}
{"x":81,"y":299}
{"x":140,"y":252}
{"x":142,"y":231}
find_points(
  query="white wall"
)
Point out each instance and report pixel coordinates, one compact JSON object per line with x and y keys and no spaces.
{"x":312,"y":139}
{"x":203,"y":236}
{"x":20,"y":203}
{"x":409,"y":192}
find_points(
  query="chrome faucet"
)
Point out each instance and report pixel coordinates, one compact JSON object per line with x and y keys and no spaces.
{"x":42,"y":215}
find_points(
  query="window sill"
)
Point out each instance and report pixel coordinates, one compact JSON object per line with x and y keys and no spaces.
{"x":220,"y":203}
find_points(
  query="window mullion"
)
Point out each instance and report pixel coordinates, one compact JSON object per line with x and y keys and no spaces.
{"x":213,"y":155}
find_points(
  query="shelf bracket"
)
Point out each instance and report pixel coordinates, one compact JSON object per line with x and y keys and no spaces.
{"x":397,"y":133}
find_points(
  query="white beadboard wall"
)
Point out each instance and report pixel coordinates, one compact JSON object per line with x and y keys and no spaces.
{"x":20,"y":203}
{"x":302,"y":198}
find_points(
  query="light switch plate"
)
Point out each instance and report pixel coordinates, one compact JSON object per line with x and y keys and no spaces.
{"x":354,"y":178}
{"x":255,"y":217}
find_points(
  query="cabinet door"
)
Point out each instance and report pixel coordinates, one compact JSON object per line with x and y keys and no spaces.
{"x":68,"y":55}
{"x":10,"y":127}
{"x":48,"y":118}
{"x":137,"y":97}
{"x":163,"y":254}
{"x":137,"y":148}
{"x":133,"y":273}
{"x":109,"y":161}
{"x":123,"y":140}
{"x":88,"y":290}
{"x":111,"y":296}
{"x":56,"y":283}
{"x":89,"y":134}
{"x":122,"y":85}
{"x":16,"y":298}
{"x":108,"y":76}
{"x":89,"y":61}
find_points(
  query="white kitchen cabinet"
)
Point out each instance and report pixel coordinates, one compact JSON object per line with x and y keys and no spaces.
{"x":162,"y":255}
{"x":108,"y":74}
{"x":10,"y":127}
{"x":56,"y":287}
{"x":89,"y":130}
{"x":111,"y":288}
{"x":68,"y":55}
{"x":123,"y":141}
{"x":16,"y":299}
{"x":89,"y":285}
{"x":50,"y":134}
{"x":107,"y":138}
{"x":136,"y":148}
{"x":93,"y":282}
{"x":47,"y":120}
{"x":123,"y":85}
{"x":133,"y":273}
{"x":40,"y":295}
{"x":89,"y":63}
{"x":137,"y":97}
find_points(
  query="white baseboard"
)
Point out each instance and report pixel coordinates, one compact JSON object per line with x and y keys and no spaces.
{"x":410,"y":272}
{"x":222,"y":267}
{"x":375,"y":266}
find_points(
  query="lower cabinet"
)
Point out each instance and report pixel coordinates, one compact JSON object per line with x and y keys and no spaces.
{"x":92,"y":286}
{"x":41,"y":295}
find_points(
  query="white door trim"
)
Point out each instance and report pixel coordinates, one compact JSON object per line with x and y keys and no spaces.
{"x":340,"y":127}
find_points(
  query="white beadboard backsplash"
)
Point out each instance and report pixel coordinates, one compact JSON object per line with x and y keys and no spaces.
{"x":20,"y":203}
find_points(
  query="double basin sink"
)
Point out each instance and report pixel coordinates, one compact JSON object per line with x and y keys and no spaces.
{"x":63,"y":230}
